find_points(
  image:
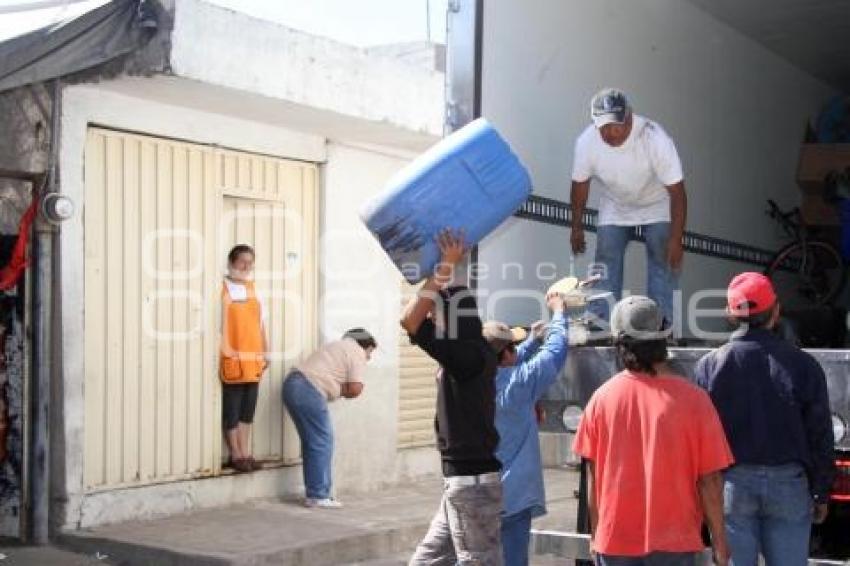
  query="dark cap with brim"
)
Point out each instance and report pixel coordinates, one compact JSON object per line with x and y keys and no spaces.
{"x":638,"y":318}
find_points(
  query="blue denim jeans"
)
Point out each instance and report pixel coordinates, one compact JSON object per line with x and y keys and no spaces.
{"x":308,"y":408}
{"x":768,"y":510}
{"x":652,"y":559}
{"x":611,"y":242}
{"x":516,"y":535}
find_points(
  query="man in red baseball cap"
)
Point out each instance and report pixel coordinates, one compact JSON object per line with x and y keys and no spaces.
{"x":750,"y":294}
{"x":772,"y":400}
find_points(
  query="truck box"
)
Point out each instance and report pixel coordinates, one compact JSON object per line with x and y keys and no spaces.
{"x":735,"y":110}
{"x":819,"y":159}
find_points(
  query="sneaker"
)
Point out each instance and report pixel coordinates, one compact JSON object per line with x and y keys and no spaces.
{"x":326,"y":503}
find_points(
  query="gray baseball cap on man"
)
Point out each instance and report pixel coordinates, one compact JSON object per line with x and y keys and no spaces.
{"x":609,"y":106}
{"x":639,"y":318}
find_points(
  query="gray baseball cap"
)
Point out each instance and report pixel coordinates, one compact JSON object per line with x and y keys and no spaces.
{"x":638,"y":317}
{"x":609,"y":106}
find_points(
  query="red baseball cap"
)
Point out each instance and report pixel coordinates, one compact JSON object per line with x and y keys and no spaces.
{"x":750,"y":293}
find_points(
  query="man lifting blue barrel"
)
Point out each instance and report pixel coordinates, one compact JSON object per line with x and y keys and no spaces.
{"x":426,"y":220}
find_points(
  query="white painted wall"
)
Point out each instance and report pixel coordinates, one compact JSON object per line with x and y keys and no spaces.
{"x":361,"y":287}
{"x":737,"y":112}
{"x":366,"y":456}
{"x":220,"y":47}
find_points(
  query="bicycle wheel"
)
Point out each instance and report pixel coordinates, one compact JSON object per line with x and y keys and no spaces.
{"x":806,"y":277}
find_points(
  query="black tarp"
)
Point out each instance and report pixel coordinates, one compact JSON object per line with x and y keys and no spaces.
{"x":114,"y":29}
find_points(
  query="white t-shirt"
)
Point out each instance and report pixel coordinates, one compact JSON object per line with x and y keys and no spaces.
{"x":634,"y":176}
{"x":335,"y":363}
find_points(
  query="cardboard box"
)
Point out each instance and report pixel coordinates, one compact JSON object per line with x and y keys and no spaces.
{"x":817,"y":160}
{"x":817,"y":212}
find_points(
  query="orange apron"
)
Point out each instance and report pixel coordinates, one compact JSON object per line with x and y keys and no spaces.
{"x":241,"y":353}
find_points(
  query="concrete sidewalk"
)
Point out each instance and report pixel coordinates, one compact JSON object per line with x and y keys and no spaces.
{"x":379,"y":529}
{"x":16,"y":555}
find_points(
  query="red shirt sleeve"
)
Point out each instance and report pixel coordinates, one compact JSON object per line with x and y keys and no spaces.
{"x":586,"y":440}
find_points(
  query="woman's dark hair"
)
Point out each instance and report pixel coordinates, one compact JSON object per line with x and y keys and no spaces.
{"x":239,"y":250}
{"x":362,"y":337}
{"x":641,"y":355}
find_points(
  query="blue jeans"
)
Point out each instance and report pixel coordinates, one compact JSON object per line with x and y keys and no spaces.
{"x":652,"y":559}
{"x":308,"y":408}
{"x":611,"y":242}
{"x":516,"y":535}
{"x":768,"y":509}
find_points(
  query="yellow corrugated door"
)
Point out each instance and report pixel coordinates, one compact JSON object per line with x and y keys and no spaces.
{"x":417,"y":390}
{"x":151,"y":404}
{"x":155,"y":251}
{"x":270,"y":204}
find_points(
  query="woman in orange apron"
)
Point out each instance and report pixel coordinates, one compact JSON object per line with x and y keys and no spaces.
{"x":243,"y":355}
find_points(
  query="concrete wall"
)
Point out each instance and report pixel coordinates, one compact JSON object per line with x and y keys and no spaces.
{"x":362,"y":288}
{"x":366,"y":457}
{"x":25,"y":121}
{"x":269,"y":59}
{"x":737,"y":112}
{"x":423,"y":54}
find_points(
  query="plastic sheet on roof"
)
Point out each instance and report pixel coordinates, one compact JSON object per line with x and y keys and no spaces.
{"x":107,"y":32}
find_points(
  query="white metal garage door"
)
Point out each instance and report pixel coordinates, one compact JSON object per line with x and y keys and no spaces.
{"x":160,"y":216}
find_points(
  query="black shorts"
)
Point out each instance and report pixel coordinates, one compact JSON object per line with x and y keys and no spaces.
{"x":238,"y":401}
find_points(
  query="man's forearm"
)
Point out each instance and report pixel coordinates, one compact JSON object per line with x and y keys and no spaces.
{"x":710,"y":487}
{"x":419,"y":306}
{"x":578,"y":201}
{"x":678,"y":210}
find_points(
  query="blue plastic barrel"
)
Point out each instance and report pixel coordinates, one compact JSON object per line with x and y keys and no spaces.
{"x":471,"y":180}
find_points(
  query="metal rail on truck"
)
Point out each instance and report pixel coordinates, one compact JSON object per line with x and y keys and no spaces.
{"x":588,"y":367}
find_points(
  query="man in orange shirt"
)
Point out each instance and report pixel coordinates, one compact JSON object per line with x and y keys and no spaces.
{"x":655,"y":449}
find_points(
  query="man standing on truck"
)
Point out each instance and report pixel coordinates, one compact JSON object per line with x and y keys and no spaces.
{"x":642,"y":184}
{"x":772,"y":400}
{"x":443,"y":320}
{"x":654,"y":448}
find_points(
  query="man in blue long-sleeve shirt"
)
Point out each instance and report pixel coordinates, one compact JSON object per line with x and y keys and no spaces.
{"x":525,"y":372}
{"x":772,"y":400}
